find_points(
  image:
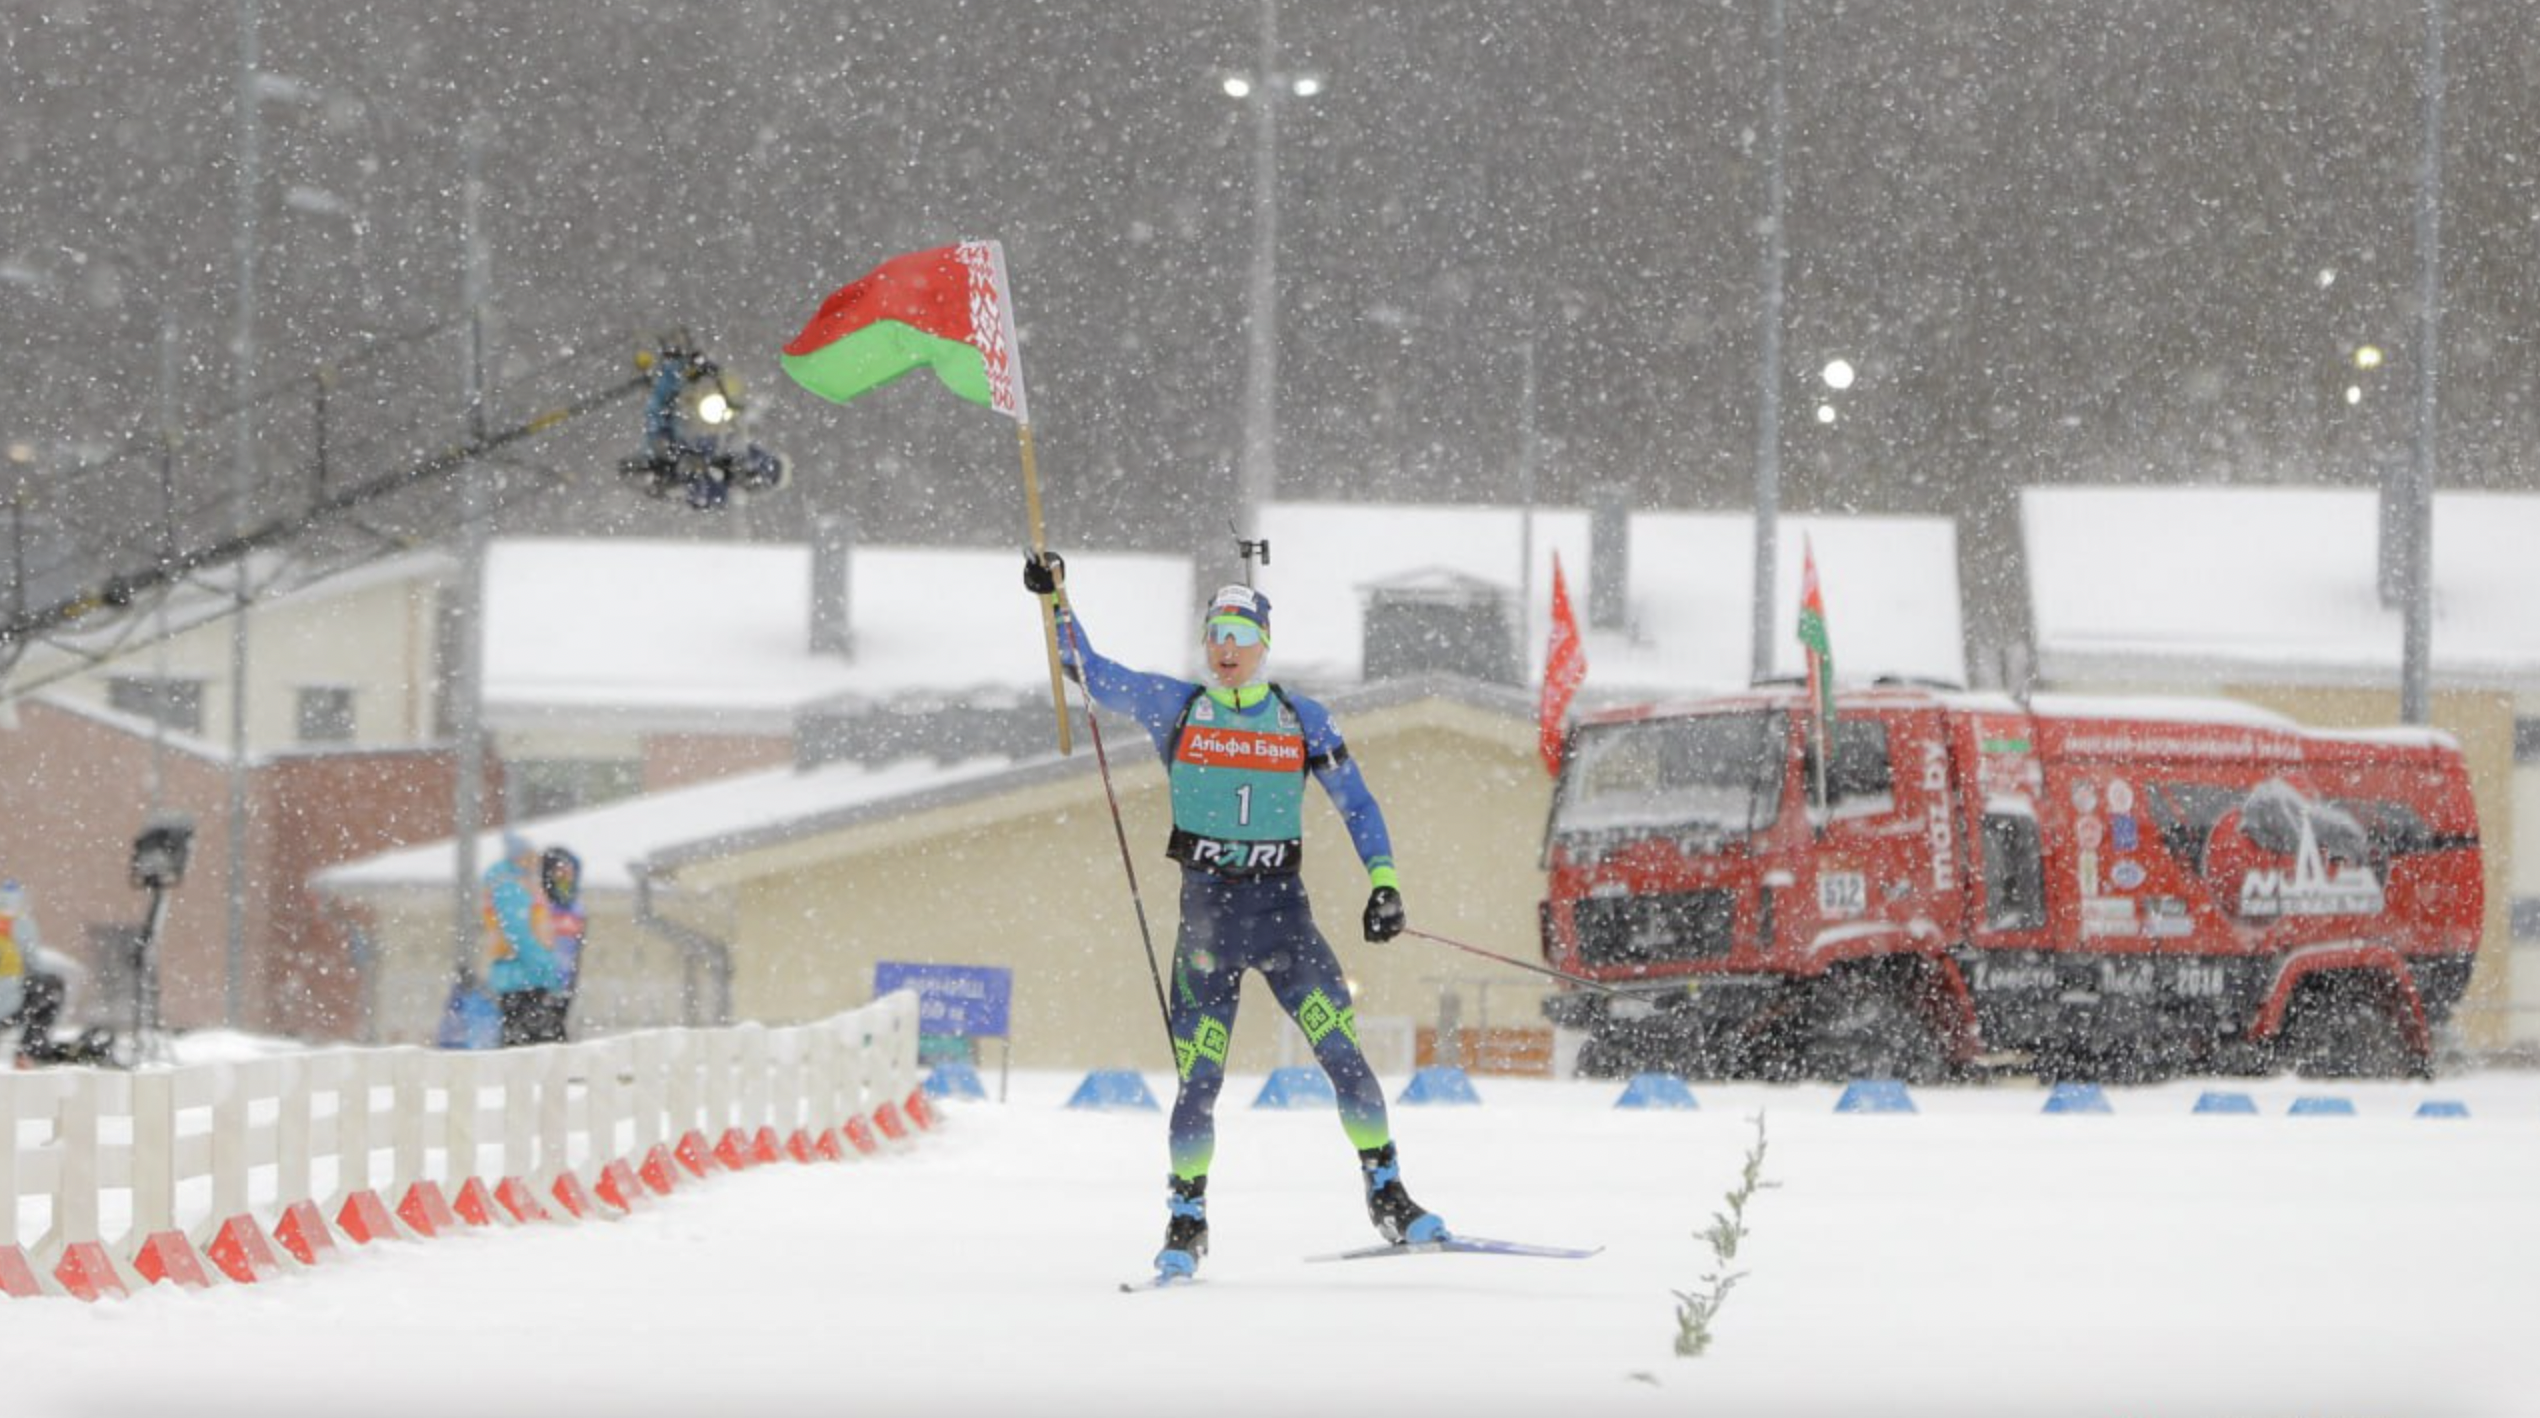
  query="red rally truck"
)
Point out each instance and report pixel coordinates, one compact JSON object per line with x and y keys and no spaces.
{"x":2095,"y":888}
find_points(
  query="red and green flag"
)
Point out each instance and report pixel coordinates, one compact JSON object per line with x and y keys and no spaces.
{"x":946,"y":309}
{"x":1812,"y":636}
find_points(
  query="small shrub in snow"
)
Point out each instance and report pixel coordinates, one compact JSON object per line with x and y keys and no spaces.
{"x":1697,"y":1308}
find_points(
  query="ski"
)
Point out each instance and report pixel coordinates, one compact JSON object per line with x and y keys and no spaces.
{"x":1158,"y":1282}
{"x":1463,"y":1245}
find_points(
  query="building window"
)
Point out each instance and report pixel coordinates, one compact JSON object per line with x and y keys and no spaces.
{"x":326,"y":715}
{"x":1460,"y":629}
{"x":2526,"y":919}
{"x":543,"y":787}
{"x":2526,"y":740}
{"x":2014,"y":873}
{"x":172,"y":703}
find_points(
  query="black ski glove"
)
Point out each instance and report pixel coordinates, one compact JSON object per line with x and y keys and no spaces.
{"x":1044,"y":573}
{"x":1384,"y":919}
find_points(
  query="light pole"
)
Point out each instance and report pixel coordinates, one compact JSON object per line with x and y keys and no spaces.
{"x":1259,"y":464}
{"x":467,"y":594}
{"x":252,"y":83}
{"x":2416,"y":641}
{"x":1526,"y":465}
{"x":1768,"y":446}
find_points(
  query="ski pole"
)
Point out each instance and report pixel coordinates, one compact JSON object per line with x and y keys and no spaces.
{"x":1102,"y":762}
{"x":1049,"y":609}
{"x":1580,"y":980}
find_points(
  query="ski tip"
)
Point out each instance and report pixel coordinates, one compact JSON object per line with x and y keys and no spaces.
{"x":1478,"y":1246}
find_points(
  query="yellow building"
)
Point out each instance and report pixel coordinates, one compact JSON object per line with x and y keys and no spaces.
{"x":785,"y":888}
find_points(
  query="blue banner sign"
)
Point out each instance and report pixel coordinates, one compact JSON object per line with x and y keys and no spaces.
{"x":968,"y":1000}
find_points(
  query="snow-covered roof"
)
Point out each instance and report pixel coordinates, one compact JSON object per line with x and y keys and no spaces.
{"x":654,"y":629}
{"x":279,"y":579}
{"x":612,"y":839}
{"x":2159,"y":583}
{"x":1890,"y":585}
{"x":670,"y":631}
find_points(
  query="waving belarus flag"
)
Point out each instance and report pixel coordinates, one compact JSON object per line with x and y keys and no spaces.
{"x":945,"y":309}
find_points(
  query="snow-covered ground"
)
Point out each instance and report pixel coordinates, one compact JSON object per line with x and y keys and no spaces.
{"x":1979,"y":1257}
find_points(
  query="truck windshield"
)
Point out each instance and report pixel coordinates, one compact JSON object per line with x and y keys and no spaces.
{"x":1717,"y":771}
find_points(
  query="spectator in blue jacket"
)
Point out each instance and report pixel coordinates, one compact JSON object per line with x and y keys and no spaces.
{"x":523,"y":971}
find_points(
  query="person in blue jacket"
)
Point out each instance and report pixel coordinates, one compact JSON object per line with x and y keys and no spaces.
{"x":1237,"y":751}
{"x":527,"y":978}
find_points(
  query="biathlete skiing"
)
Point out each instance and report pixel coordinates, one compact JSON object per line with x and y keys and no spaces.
{"x":1237,"y":750}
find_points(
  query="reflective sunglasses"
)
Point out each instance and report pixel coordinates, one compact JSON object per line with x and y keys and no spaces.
{"x":1239,"y":632}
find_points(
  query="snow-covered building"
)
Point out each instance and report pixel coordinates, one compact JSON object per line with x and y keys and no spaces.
{"x":773,"y":895}
{"x":342,"y":759}
{"x":2275,"y":596}
{"x":611,"y":668}
{"x":617,"y":669}
{"x":777,"y":892}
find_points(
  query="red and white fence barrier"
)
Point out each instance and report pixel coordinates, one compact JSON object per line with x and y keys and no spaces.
{"x":228,"y":1172}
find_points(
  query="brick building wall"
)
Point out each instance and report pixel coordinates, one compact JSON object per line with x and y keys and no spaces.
{"x":318,"y":810}
{"x":75,"y":788}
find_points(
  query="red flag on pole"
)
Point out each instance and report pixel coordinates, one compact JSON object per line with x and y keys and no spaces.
{"x":1564,"y":665}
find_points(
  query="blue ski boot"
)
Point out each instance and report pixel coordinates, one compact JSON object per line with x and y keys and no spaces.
{"x":1398,"y":1218}
{"x":1185,"y":1229}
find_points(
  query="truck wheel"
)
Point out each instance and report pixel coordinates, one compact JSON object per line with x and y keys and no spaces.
{"x":1865,"y":1024}
{"x":2340,"y":1028}
{"x":1773,"y":1050}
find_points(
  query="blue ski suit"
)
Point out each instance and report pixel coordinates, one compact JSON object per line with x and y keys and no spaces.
{"x":1237,"y":761}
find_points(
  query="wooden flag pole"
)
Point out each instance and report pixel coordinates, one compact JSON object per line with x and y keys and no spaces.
{"x":1049,"y":605}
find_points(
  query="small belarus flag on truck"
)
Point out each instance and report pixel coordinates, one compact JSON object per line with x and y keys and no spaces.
{"x":945,"y":309}
{"x":1820,"y":648}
